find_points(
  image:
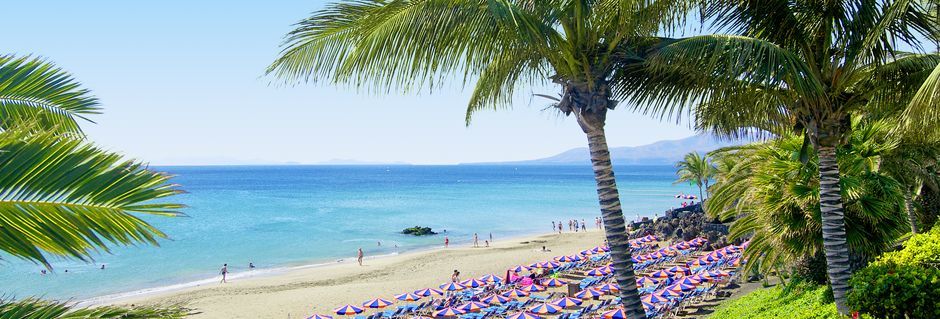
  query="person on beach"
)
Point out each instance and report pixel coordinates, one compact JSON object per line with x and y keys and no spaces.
{"x":455,"y":277}
{"x":446,"y":242}
{"x":359,"y":257}
{"x":553,"y":225}
{"x":560,"y":228}
{"x":224,"y":272}
{"x":476,"y":240}
{"x":583,"y":225}
{"x":42,"y":272}
{"x":251,"y":266}
{"x":491,"y":237}
{"x":487,"y":243}
{"x":102,"y":266}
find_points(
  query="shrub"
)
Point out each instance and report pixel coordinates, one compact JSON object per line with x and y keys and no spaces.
{"x":796,"y":301}
{"x":901,"y":284}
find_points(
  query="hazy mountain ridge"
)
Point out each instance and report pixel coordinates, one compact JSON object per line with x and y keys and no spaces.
{"x":662,"y":152}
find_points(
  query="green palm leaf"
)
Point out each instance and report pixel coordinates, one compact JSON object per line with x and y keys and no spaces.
{"x":32,"y":308}
{"x":65,"y":197}
{"x":33,"y":90}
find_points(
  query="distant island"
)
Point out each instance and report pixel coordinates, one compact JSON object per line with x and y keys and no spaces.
{"x":657,"y":153}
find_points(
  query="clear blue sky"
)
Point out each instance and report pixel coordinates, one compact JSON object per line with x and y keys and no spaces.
{"x":181,"y":83}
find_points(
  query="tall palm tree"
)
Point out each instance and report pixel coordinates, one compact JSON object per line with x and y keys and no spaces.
{"x":500,"y":46}
{"x":695,"y":168}
{"x":795,"y":66}
{"x":60,"y":195}
{"x":775,"y":198}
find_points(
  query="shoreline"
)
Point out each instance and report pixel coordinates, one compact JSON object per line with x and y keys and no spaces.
{"x":305,"y":290}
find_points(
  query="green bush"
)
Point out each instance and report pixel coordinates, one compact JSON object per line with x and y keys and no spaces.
{"x":901,"y":284}
{"x":797,"y":301}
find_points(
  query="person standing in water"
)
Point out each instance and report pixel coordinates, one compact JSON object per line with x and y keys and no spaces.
{"x":224,"y":272}
{"x":583,"y":225}
{"x":476,"y":240}
{"x":553,"y":225}
{"x":560,"y":228}
{"x":359,"y":257}
{"x":446,"y":242}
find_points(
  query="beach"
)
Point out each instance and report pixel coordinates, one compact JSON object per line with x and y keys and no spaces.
{"x":302,"y":292}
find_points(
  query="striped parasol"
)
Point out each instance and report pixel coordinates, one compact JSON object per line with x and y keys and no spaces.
{"x":448,"y":312}
{"x":693,"y":280}
{"x":666,"y":293}
{"x":679,"y":269}
{"x":662,"y":274}
{"x":589,"y":293}
{"x":609,"y":288}
{"x":680,"y":287}
{"x":647,"y":281}
{"x":554,"y":282}
{"x":377,"y":303}
{"x":320,"y":317}
{"x":607,"y":269}
{"x":453,"y":286}
{"x":596,"y":272}
{"x":347,"y":310}
{"x":408,"y":297}
{"x":567,"y":302}
{"x":428,"y":291}
{"x":472,"y":306}
{"x":518,"y":268}
{"x":515,"y":293}
{"x":491,"y":279}
{"x":614,"y":314}
{"x":496,"y":299}
{"x":545,"y":308}
{"x":653,"y":299}
{"x":532,"y":288}
{"x":473,"y":283}
{"x":524,"y":315}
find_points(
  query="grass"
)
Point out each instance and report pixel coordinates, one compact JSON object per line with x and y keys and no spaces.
{"x":797,"y":301}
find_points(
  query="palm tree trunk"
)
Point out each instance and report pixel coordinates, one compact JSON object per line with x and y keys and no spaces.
{"x":909,"y":205}
{"x":833,"y":226}
{"x":614,"y":223}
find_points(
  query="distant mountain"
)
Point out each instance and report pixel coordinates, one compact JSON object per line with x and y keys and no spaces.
{"x":339,"y":161}
{"x":662,"y":152}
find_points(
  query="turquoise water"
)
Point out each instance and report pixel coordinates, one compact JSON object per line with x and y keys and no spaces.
{"x":282,"y":216}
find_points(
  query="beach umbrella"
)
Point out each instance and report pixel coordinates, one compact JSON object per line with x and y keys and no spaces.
{"x":710,"y":259}
{"x":614,"y":314}
{"x":474,"y":283}
{"x":553,"y":282}
{"x":407,"y":297}
{"x":719,"y":273}
{"x":690,"y":281}
{"x":420,"y":317}
{"x":515,"y":293}
{"x":448,"y":312}
{"x":679,"y":269}
{"x":698,"y":263}
{"x":496,"y":299}
{"x":607,"y":269}
{"x":666,"y":293}
{"x":319,"y":317}
{"x":453,"y":286}
{"x":568,"y":259}
{"x":545,"y":308}
{"x":662,"y":274}
{"x":518,"y":268}
{"x":647,"y":281}
{"x":596,"y":272}
{"x":653,"y":299}
{"x":377,"y":303}
{"x":428,"y":291}
{"x":597,"y":250}
{"x":347,"y":310}
{"x":609,"y":288}
{"x":680,"y":287}
{"x":589,"y":293}
{"x":472,"y":306}
{"x":586,"y":252}
{"x":532,"y":288}
{"x":523,"y":315}
{"x":567,"y":302}
{"x":491,"y":279}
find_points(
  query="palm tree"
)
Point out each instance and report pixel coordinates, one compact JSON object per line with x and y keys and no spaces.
{"x":60,"y":195}
{"x":775,"y":198}
{"x":695,"y":168}
{"x":795,"y":66}
{"x":502,"y":46}
{"x":43,"y":309}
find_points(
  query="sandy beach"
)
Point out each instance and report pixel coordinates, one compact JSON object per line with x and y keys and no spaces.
{"x":303,"y":292}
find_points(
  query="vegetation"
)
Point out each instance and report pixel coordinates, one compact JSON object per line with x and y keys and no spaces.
{"x":774,"y":197}
{"x":901,"y":284}
{"x":697,"y":169}
{"x":59,"y":194}
{"x":42,"y":309}
{"x":796,"y":301}
{"x":579,"y":46}
{"x":801,"y":67}
{"x":418,"y":231}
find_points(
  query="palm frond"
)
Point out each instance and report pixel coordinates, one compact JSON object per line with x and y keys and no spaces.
{"x":65,"y":197}
{"x":32,"y":308}
{"x":922,"y":112}
{"x":35,"y":90}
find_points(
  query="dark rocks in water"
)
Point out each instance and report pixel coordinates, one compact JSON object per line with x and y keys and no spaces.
{"x":418,"y":231}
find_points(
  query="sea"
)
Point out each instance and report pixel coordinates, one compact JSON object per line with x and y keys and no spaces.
{"x":283,"y":217}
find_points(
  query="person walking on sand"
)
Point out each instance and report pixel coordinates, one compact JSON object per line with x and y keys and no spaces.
{"x":224,"y":272}
{"x":359,"y":257}
{"x":560,"y":228}
{"x":583,"y":225}
{"x":553,"y":225}
{"x":476,"y":240}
